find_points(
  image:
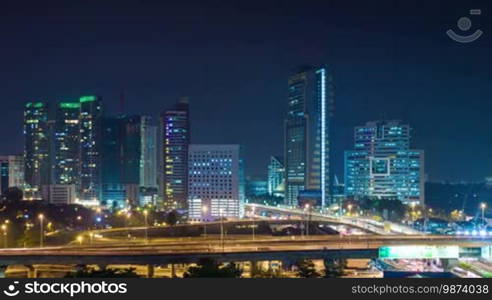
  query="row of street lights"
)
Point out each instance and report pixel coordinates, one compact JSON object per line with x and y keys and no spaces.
{"x":221,"y":211}
{"x":41,"y":218}
{"x":221,"y":217}
{"x":4,"y":229}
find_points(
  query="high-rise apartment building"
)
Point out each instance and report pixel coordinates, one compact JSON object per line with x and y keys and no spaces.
{"x":66,"y":143}
{"x":37,"y":165}
{"x":216,"y":183}
{"x":383,"y":165}
{"x":91,"y":113}
{"x":175,"y":131}
{"x":307,"y":134}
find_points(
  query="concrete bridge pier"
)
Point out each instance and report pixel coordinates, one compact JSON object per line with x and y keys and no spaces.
{"x":449,"y":263}
{"x":253,"y":268}
{"x":150,"y":271}
{"x":32,"y":272}
{"x":173,"y":271}
{"x":287,"y":265}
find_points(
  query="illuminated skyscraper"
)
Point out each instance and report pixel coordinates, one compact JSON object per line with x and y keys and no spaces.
{"x":276,"y":177}
{"x":383,"y":166}
{"x":216,"y":182}
{"x":37,"y":169}
{"x":175,"y":130}
{"x":307,"y":138}
{"x":90,"y":149}
{"x":148,"y":161}
{"x":66,"y":143}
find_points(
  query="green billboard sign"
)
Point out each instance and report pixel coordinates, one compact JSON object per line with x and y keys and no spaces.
{"x":418,"y":252}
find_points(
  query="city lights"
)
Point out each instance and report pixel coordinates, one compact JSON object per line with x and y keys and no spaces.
{"x":287,"y":143}
{"x":41,"y":230}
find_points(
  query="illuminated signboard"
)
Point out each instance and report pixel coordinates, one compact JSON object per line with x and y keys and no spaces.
{"x":486,"y":252}
{"x":417,"y":252}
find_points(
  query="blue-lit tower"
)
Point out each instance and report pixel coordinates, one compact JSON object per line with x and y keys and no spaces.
{"x":91,"y":113}
{"x":383,"y":165}
{"x":307,"y":134}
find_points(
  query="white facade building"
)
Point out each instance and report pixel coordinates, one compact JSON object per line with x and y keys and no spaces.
{"x":215,"y":182}
{"x":59,"y":193}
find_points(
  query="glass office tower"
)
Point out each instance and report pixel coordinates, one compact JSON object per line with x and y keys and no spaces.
{"x":307,"y":134}
{"x":148,"y":161}
{"x":383,"y":166}
{"x":175,"y":130}
{"x":121,"y":160}
{"x":276,"y":177}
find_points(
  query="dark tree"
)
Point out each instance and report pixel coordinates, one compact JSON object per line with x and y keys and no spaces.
{"x":209,"y":268}
{"x":13,"y":194}
{"x":172,"y":218}
{"x":103,"y":273}
{"x":270,"y":273}
{"x":334,"y":267}
{"x":306,"y":269}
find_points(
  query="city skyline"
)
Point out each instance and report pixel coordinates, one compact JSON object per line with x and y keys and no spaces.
{"x":246,"y":139}
{"x":385,"y":75}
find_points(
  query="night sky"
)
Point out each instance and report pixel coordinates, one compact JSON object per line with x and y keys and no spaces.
{"x":389,"y":59}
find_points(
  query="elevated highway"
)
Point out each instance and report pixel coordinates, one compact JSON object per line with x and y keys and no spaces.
{"x":189,"y":250}
{"x":361,"y":223}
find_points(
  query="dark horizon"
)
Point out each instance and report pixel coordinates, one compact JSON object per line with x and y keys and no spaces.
{"x":389,"y":60}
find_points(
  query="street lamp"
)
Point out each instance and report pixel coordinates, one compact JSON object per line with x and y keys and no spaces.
{"x":307,"y":206}
{"x":483,"y":205}
{"x":145,"y":212}
{"x":127,"y":224}
{"x":413,"y":205}
{"x":221,"y":211}
{"x":253,"y":219}
{"x":204,"y":213}
{"x":41,"y":231}
{"x":4,"y":229}
{"x":79,"y":239}
{"x":350,"y":209}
